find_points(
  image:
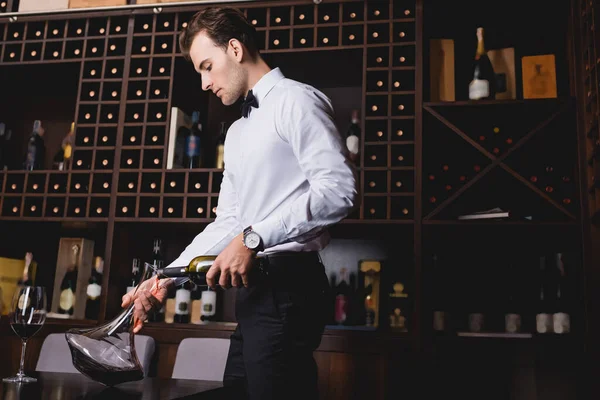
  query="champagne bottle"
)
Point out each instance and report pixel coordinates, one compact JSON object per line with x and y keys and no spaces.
{"x":94,"y":290}
{"x":220,"y":161}
{"x":26,"y":279}
{"x":63,"y":156}
{"x":68,"y":285}
{"x":36,"y":150}
{"x":483,"y":85}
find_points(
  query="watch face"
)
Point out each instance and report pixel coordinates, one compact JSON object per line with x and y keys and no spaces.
{"x":252,"y":240}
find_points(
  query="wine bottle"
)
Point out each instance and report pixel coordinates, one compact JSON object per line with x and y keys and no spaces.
{"x":192,"y":143}
{"x":182,"y":303}
{"x":512,"y":316}
{"x":220,"y":161}
{"x":63,"y":155}
{"x":135,"y":275}
{"x":483,"y":84}
{"x":5,"y":135}
{"x":209,"y":305}
{"x":561,"y":318}
{"x":353,"y":137}
{"x":440,"y":312}
{"x":68,"y":286}
{"x":342,"y":298}
{"x":158,"y":262}
{"x":543,"y":318}
{"x":26,"y":279}
{"x":94,"y":290}
{"x":196,"y":270}
{"x":196,"y":305}
{"x":36,"y":150}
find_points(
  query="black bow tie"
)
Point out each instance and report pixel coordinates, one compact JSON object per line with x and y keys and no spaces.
{"x":249,"y":101}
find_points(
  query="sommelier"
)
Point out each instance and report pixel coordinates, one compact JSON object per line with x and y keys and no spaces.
{"x":287,"y":177}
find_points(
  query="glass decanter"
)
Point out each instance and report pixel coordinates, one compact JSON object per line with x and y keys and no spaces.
{"x":106,"y":353}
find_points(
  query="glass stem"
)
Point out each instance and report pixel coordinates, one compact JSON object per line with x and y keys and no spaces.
{"x":21,"y":372}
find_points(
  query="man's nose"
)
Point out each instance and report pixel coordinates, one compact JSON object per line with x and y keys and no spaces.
{"x":206,"y":84}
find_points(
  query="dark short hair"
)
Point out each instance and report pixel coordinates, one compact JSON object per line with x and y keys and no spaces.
{"x":220,"y":24}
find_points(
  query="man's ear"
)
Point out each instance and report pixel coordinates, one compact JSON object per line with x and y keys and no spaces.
{"x":237,"y":49}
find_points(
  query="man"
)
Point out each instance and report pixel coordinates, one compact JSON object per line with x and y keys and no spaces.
{"x":287,"y":178}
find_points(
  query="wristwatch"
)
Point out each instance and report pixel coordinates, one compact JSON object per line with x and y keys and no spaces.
{"x":252,"y":240}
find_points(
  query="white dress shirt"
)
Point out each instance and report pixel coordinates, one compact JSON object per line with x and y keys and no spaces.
{"x":287,"y":173}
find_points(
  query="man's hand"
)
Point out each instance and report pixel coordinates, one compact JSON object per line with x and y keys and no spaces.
{"x":151,"y":294}
{"x":234,"y":264}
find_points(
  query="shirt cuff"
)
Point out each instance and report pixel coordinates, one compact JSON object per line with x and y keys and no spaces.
{"x":270,"y":231}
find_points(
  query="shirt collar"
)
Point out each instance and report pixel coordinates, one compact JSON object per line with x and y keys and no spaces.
{"x":266,"y":83}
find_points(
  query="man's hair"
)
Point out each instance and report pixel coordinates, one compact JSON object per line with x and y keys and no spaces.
{"x":220,"y":24}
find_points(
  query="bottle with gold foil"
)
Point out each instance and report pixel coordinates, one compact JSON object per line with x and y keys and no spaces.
{"x":68,"y":286}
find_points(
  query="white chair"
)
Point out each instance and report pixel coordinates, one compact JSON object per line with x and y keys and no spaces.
{"x":55,"y":355}
{"x":201,"y":358}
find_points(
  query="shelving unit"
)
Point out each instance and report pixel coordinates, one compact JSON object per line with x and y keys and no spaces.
{"x":123,"y":73}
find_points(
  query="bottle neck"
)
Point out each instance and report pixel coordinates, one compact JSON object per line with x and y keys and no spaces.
{"x":480,"y":44}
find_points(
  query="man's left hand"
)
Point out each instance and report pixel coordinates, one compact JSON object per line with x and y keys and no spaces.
{"x":234,"y":264}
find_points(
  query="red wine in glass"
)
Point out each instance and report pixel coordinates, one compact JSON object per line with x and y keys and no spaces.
{"x":27,"y":316}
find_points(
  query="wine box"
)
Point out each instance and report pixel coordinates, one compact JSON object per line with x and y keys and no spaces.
{"x":442,"y":77}
{"x":42,"y":5}
{"x":64,"y":260}
{"x":539,"y":76}
{"x":96,"y":3}
{"x":11,"y":270}
{"x":503,"y":62}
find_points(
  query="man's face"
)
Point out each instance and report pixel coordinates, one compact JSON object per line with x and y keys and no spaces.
{"x":220,"y":70}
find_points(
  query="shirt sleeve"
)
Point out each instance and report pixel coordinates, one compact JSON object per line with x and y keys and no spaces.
{"x":217,"y":235}
{"x":304,"y":119}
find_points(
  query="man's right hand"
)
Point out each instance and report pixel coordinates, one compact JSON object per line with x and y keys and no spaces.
{"x":150,"y":295}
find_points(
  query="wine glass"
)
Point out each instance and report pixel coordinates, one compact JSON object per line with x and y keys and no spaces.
{"x":28,"y":314}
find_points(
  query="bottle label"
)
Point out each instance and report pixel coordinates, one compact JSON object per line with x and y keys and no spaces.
{"x":341,"y":308}
{"x":67,"y":299}
{"x":182,"y":299}
{"x":192,"y":144}
{"x":543,"y":323}
{"x":512,"y":323}
{"x":209,"y":299}
{"x":479,"y":89}
{"x":476,"y":322}
{"x":352,"y":144}
{"x":439,"y":320}
{"x":93,"y":291}
{"x":561,"y":322}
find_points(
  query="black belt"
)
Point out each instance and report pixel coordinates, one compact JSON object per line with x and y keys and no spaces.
{"x":287,"y":261}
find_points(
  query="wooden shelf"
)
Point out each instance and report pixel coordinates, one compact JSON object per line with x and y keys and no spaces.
{"x":499,"y":223}
{"x":470,"y":103}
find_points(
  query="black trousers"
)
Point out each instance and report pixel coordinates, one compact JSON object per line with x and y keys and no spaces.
{"x":281,"y":316}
